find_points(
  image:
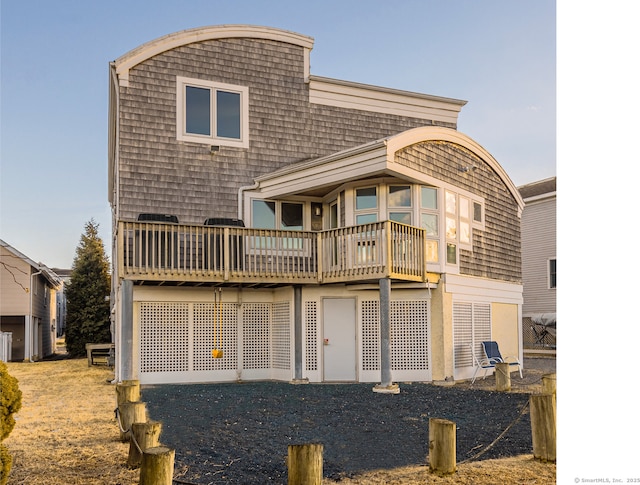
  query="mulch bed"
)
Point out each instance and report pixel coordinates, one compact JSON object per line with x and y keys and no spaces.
{"x":239,"y":433}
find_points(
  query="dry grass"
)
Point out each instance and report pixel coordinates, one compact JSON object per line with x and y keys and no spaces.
{"x":66,"y":432}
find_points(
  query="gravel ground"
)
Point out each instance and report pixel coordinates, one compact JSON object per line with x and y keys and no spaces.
{"x":239,"y":433}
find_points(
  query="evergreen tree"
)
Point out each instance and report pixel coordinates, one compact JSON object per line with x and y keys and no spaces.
{"x":88,"y":312}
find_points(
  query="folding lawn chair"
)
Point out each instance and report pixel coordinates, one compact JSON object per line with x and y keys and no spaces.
{"x":492,"y":357}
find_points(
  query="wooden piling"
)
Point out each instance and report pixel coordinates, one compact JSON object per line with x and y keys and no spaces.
{"x":157,"y":466}
{"x":128,"y":391}
{"x":442,"y":446}
{"x":549,"y":384}
{"x":503,"y":377}
{"x":131,"y":412}
{"x":305,"y":464}
{"x":543,"y":426}
{"x":145,"y":435}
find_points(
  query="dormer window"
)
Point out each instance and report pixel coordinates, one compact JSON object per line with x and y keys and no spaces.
{"x":212,"y":113}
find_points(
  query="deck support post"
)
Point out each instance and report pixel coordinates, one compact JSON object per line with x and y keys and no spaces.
{"x":386,"y":385}
{"x":125,"y":350}
{"x":298,"y":338}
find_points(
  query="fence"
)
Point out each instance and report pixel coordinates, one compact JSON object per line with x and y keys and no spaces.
{"x":535,"y":336}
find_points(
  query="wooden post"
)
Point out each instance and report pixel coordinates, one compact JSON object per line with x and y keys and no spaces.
{"x":549,"y":384}
{"x":442,"y":446}
{"x":543,"y":426}
{"x":145,"y":435}
{"x":503,"y":377}
{"x":131,"y":412}
{"x":157,"y":466}
{"x":305,"y":464}
{"x":128,"y":391}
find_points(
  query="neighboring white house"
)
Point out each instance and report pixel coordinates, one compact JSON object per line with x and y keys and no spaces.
{"x":27,"y":304}
{"x":539,"y":262}
{"x":273,"y":224}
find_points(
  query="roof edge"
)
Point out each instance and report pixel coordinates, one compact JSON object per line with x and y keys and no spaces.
{"x":199,"y":34}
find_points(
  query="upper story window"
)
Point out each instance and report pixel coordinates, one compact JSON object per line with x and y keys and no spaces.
{"x":399,"y":203}
{"x":212,"y":113}
{"x":429,"y":221}
{"x":268,"y":214}
{"x":366,"y":205}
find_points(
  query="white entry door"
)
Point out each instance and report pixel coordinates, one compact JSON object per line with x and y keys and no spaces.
{"x":339,"y":339}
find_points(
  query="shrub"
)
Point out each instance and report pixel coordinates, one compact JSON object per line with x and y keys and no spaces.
{"x":5,"y":464}
{"x":10,"y":403}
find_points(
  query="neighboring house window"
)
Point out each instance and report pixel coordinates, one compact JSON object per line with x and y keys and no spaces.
{"x":366,"y":205}
{"x":552,"y":273}
{"x":212,"y":113}
{"x":429,"y":220}
{"x":399,"y":203}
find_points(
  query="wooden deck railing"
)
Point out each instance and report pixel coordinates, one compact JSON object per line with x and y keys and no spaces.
{"x":178,"y":252}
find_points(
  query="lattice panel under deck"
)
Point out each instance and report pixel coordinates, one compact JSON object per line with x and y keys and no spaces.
{"x":370,"y":335}
{"x":164,"y":337}
{"x":255,"y":335}
{"x":281,"y":336}
{"x":410,"y":335}
{"x":215,"y":328}
{"x":311,"y":322}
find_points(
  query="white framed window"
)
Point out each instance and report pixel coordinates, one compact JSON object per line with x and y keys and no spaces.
{"x":270,"y":214}
{"x":212,"y":113}
{"x":366,"y":205}
{"x":430,"y":221}
{"x":464,"y":222}
{"x":451,"y":226}
{"x":552,"y":274}
{"x":399,"y":203}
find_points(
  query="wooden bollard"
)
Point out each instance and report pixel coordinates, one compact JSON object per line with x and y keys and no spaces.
{"x":131,"y":412}
{"x":549,"y":384}
{"x":145,"y":435}
{"x":503,"y":377}
{"x":442,"y":446}
{"x":543,"y":426}
{"x":305,"y":464}
{"x":128,"y":391}
{"x":157,"y":465}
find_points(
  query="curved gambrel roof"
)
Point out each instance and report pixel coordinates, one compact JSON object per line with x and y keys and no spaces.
{"x":162,"y":44}
{"x":432,"y":133}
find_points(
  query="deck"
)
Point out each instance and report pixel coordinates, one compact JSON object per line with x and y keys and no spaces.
{"x":192,"y":254}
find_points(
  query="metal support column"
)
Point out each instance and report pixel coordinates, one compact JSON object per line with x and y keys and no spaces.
{"x":126,"y":332}
{"x":386,"y":385}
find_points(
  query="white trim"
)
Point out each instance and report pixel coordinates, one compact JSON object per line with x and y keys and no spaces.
{"x":140,"y":54}
{"x":473,"y":288}
{"x":364,"y":97}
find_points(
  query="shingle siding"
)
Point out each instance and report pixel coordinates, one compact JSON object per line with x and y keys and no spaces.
{"x":158,"y":173}
{"x":496,"y":250}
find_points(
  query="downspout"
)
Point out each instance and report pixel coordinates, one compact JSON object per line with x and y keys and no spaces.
{"x":241,"y":192}
{"x":30,"y":326}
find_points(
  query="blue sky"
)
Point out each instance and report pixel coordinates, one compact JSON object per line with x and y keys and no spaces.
{"x":497,"y":55}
